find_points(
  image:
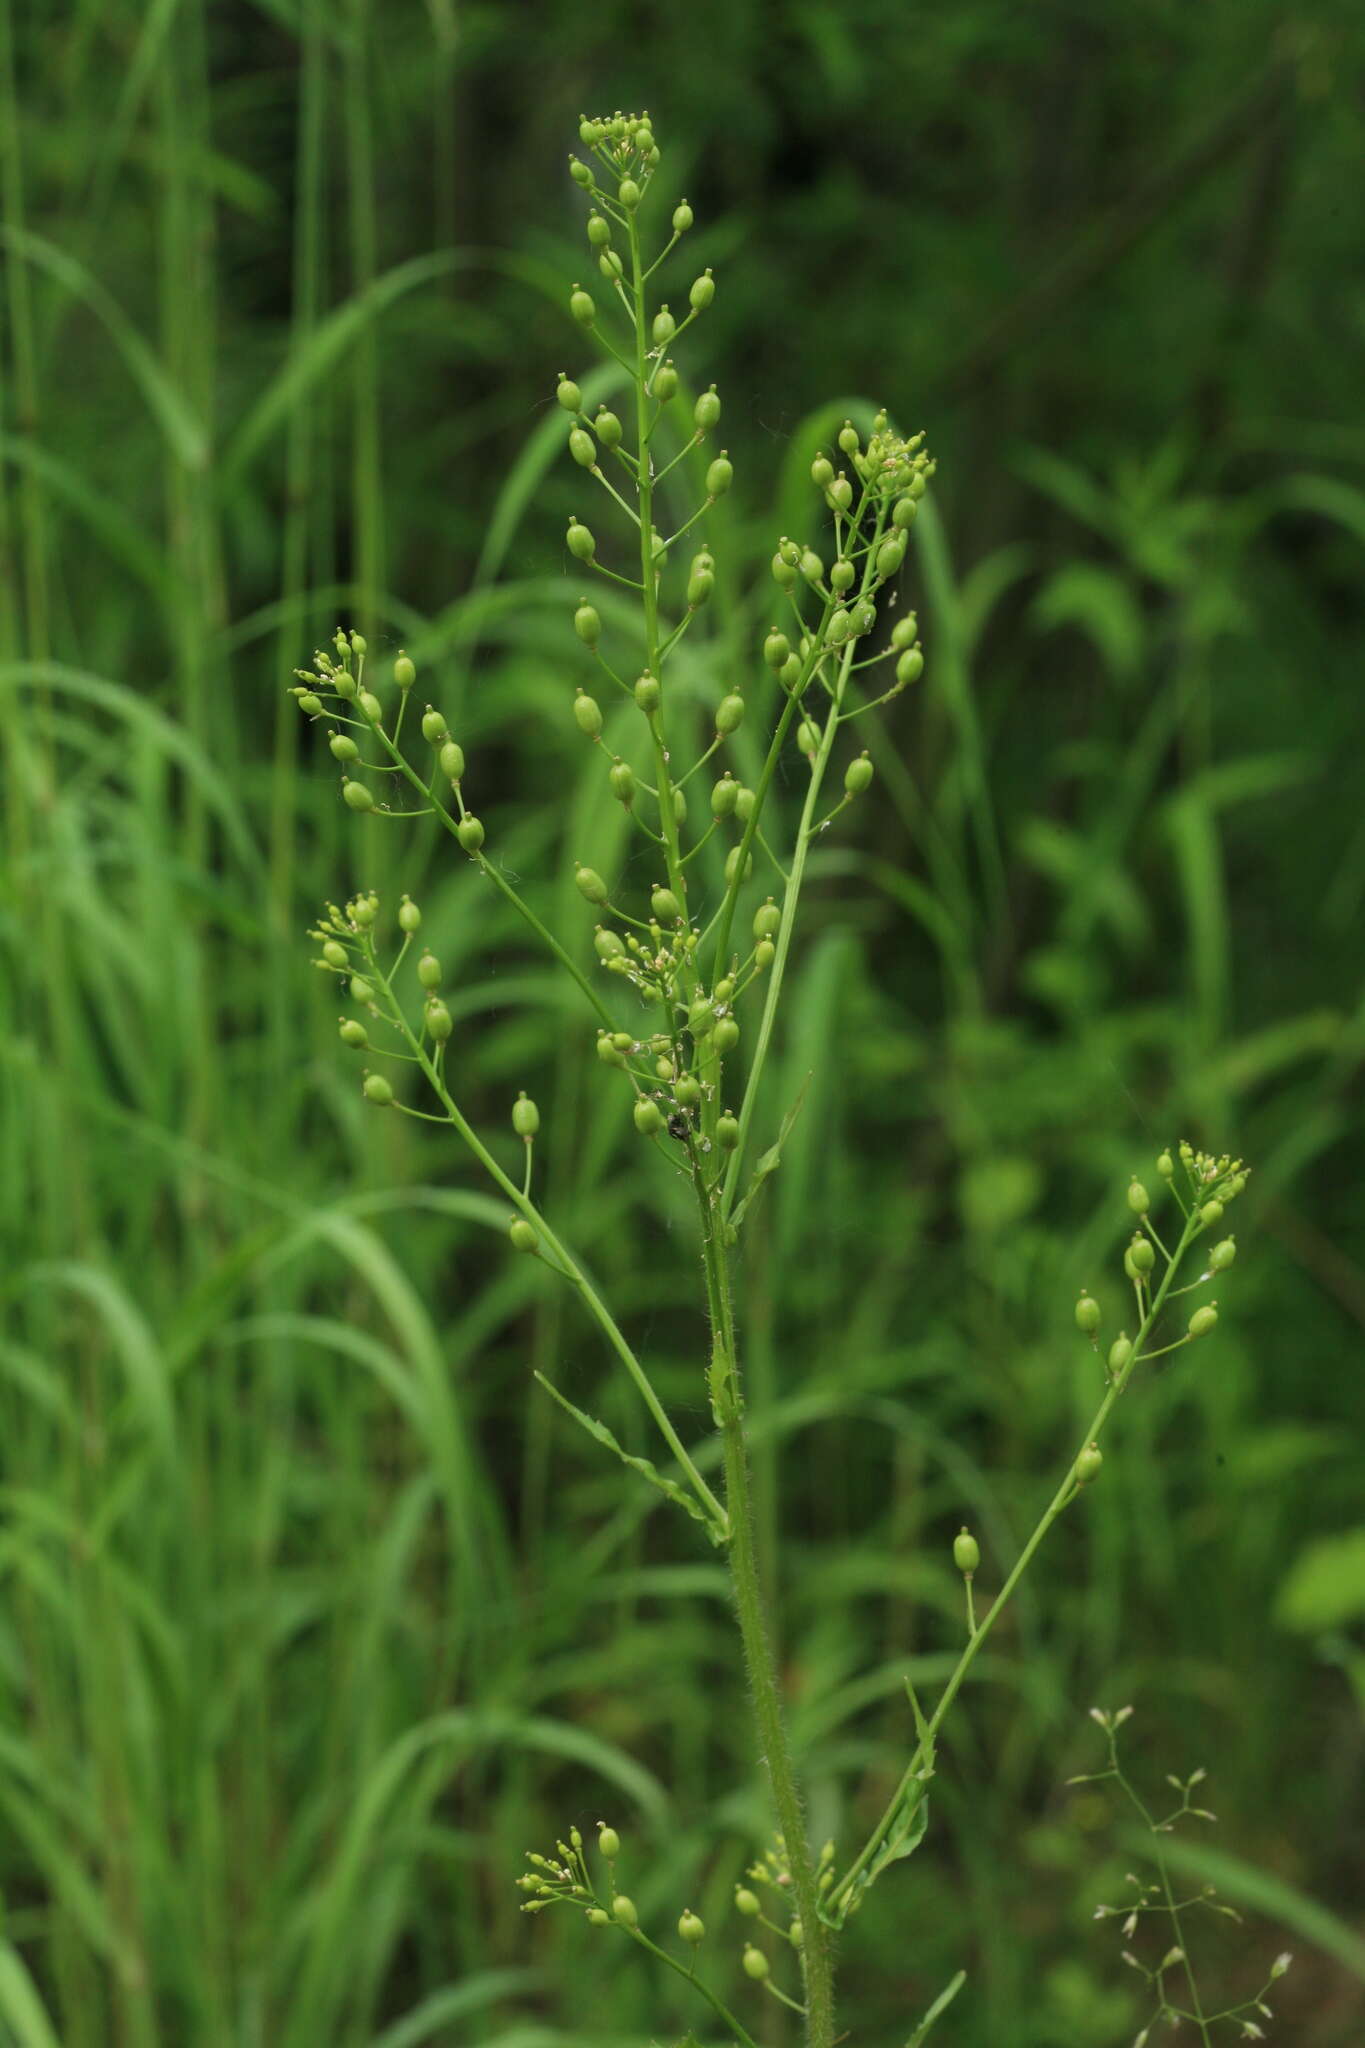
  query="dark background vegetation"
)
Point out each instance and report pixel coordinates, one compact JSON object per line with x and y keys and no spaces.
{"x":314,"y":1617}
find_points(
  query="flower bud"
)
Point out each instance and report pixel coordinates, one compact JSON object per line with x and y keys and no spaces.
{"x":377,"y":1090}
{"x":629,"y":194}
{"x":682,"y":217}
{"x":1138,"y":1200}
{"x":404,"y":672}
{"x":438,"y":1020}
{"x":822,"y":472}
{"x":910,"y":667}
{"x":433,"y":727}
{"x":624,"y":1909}
{"x":647,"y":692}
{"x":429,"y":970}
{"x":755,"y":1964}
{"x":587,"y":624}
{"x":343,"y":747}
{"x":590,"y":885}
{"x":719,"y":477}
{"x":858,"y":775}
{"x":665,"y":905}
{"x":1120,"y":1351}
{"x":582,"y":307}
{"x":966,"y":1552}
{"x":357,"y":796}
{"x":691,"y":1928}
{"x":727,"y":1137}
{"x":702,"y":293}
{"x":1087,"y":1314}
{"x":568,"y":394}
{"x":621,"y":776}
{"x":730,"y":713}
{"x":451,"y":759}
{"x":1222,"y":1255}
{"x":469,"y":832}
{"x":648,"y":1117}
{"x":522,"y":1234}
{"x":353,"y":1032}
{"x":1087,"y":1466}
{"x":1203,"y":1320}
{"x":587,"y":714}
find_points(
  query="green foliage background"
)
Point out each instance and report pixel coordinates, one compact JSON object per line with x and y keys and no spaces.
{"x":312,"y":1617}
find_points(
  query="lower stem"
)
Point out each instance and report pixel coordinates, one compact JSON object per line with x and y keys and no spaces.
{"x":817,"y":1959}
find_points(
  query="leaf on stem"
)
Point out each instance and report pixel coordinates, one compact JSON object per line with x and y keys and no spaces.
{"x":937,"y":2009}
{"x":644,"y":1466}
{"x":769,"y":1162}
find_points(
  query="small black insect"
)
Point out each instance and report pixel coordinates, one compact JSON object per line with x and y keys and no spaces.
{"x":678,"y":1125}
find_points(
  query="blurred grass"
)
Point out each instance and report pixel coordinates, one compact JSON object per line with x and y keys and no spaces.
{"x":316,"y":1615}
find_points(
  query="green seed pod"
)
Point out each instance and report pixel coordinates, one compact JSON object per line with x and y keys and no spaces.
{"x":361,"y":992}
{"x":748,"y":1903}
{"x":706,"y":411}
{"x":522,"y":1234}
{"x":905,"y":632}
{"x":858,"y":775}
{"x":725,"y":1036}
{"x":848,"y":438}
{"x":345,"y":685}
{"x":665,"y":384}
{"x":664,"y":1068}
{"x":429,"y":970}
{"x":917,"y":485}
{"x":353,"y":1032}
{"x":664,"y":328}
{"x":1139,"y":1258}
{"x":587,"y":624}
{"x":767,"y":920}
{"x":1088,"y":1465}
{"x":629,"y":194}
{"x":587,"y":714}
{"x":377,"y":1090}
{"x":357,"y":796}
{"x":691,"y":1928}
{"x":701,"y":1017}
{"x":1087,"y":1315}
{"x":1165,"y":1166}
{"x":822,"y":472}
{"x":582,"y":447}
{"x":591,"y":887}
{"x":580,"y":541}
{"x":755,"y":1964}
{"x":719,"y":477}
{"x":363,"y":910}
{"x":525,"y":1116}
{"x":839,"y":628}
{"x":890,"y":555}
{"x":1203,"y":1320}
{"x":607,"y":427}
{"x":589,"y":132}
{"x":599,"y":230}
{"x":371,"y":706}
{"x":682,"y":218}
{"x":625,"y":1912}
{"x":335,"y":955}
{"x":699,"y":588}
{"x":343,"y":747}
{"x":723,"y":796}
{"x":621,"y":776}
{"x":1138,"y":1199}
{"x":1120,"y":1351}
{"x":665,"y":905}
{"x":1222,"y":1255}
{"x":1211,"y":1213}
{"x":451,"y":760}
{"x":309,"y":703}
{"x":687,"y":1091}
{"x":863,"y":618}
{"x":608,"y":1841}
{"x":812,"y":568}
{"x":765,"y":952}
{"x":727,"y":1137}
{"x":776,"y":648}
{"x":784,"y":573}
{"x":730,"y":713}
{"x":808,"y":738}
{"x":607,"y":945}
{"x":568,"y":394}
{"x":582,"y":307}
{"x":598,"y":1918}
{"x":438,"y":1020}
{"x":404,"y":672}
{"x":702,"y":293}
{"x":434,"y":727}
{"x":905,"y":514}
{"x":724,"y":989}
{"x":607,"y":1053}
{"x":796,"y":1934}
{"x":622,"y":1040}
{"x":789,"y":675}
{"x":648,"y":1117}
{"x":580,"y":173}
{"x":842,"y":576}
{"x":910,"y":667}
{"x":841,"y":494}
{"x":469,"y":832}
{"x":732,"y":866}
{"x":966,"y":1552}
{"x":647,"y":692}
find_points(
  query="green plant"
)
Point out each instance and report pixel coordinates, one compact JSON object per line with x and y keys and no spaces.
{"x":685,"y":1008}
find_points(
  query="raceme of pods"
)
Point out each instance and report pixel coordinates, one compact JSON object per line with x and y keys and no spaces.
{"x":687,"y":953}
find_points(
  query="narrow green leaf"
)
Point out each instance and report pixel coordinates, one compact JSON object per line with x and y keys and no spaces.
{"x":770,"y":1160}
{"x":937,"y":2009}
{"x":646,"y":1469}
